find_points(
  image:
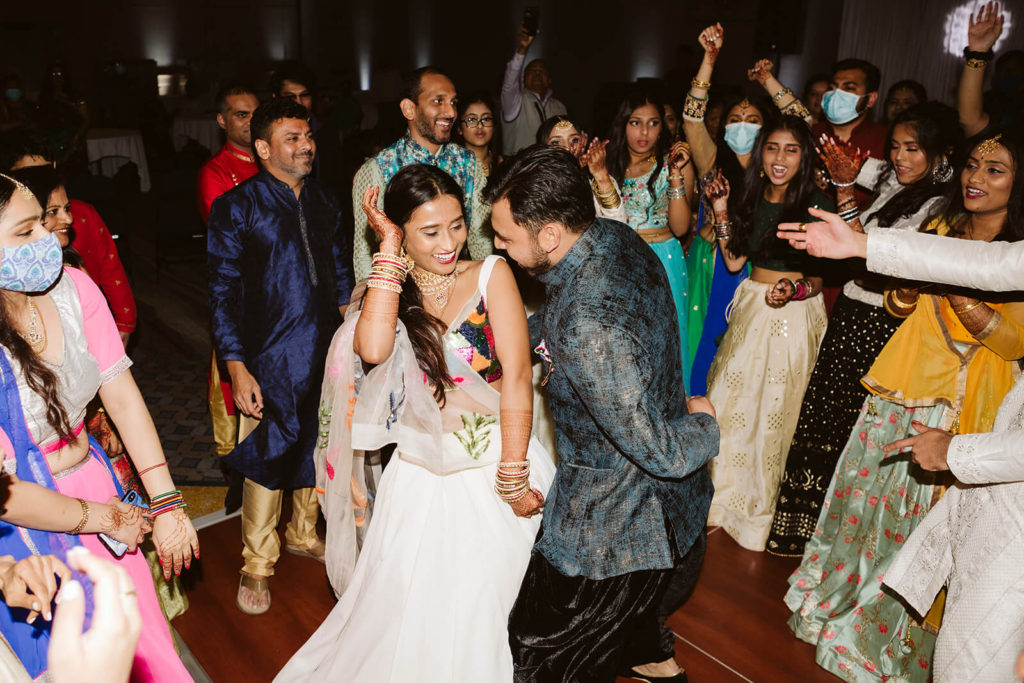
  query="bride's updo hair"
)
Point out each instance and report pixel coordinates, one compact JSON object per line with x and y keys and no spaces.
{"x":412,"y":187}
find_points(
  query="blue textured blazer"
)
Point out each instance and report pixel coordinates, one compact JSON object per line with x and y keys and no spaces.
{"x":632,"y":479}
{"x":279,"y":267}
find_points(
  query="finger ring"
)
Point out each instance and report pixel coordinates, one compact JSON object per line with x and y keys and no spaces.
{"x":802,"y":227}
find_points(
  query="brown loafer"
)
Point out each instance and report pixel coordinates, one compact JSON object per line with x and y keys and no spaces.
{"x":258,"y":586}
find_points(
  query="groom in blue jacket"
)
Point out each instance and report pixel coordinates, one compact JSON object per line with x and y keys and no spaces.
{"x":624,"y":526}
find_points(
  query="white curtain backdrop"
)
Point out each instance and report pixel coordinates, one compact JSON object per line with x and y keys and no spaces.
{"x":915,"y":38}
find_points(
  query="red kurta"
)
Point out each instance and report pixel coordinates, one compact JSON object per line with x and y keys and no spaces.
{"x":101,"y":261}
{"x":224,"y":170}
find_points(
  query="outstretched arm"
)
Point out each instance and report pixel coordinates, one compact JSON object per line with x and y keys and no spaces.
{"x":701,"y":145}
{"x":783,"y":97}
{"x":982,"y":34}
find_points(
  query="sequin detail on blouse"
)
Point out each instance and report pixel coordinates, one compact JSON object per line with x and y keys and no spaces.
{"x":475,"y":343}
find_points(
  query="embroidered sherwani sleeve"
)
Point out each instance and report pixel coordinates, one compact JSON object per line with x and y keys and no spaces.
{"x":364,"y":241}
{"x":615,"y":394}
{"x":989,"y":458}
{"x":481,"y":245}
{"x":988,"y":266}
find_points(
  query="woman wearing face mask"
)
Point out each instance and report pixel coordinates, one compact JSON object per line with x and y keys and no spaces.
{"x":16,"y":111}
{"x":925,"y":144}
{"x":61,"y":345}
{"x":657,"y":179}
{"x":559,"y":131}
{"x":711,"y":283}
{"x":48,"y":188}
{"x":948,"y":366}
{"x":441,"y":363}
{"x":479,"y":130}
{"x":776,"y":322}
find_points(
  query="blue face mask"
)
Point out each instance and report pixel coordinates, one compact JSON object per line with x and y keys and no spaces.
{"x":740,"y":136}
{"x":840,"y":106}
{"x":13,"y":94}
{"x":32,"y":267}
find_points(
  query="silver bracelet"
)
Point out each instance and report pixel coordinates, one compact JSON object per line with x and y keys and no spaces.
{"x":723,"y":230}
{"x":835,"y":184}
{"x":677,"y":192}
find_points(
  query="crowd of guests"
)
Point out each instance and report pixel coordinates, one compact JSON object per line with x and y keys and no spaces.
{"x":376,"y":360}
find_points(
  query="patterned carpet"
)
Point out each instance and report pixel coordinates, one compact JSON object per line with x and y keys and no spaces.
{"x":174,"y":387}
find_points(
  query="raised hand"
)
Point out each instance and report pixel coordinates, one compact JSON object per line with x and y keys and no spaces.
{"x":578,"y":147}
{"x":596,"y":157}
{"x":842,"y":159}
{"x":711,"y":39}
{"x":717,"y":192}
{"x":176,"y":541}
{"x":391,"y":236}
{"x":524,"y":40}
{"x":762,"y":71}
{"x":678,"y":157}
{"x":984,"y":30}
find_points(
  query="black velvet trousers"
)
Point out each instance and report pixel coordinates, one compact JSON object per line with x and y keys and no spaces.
{"x":571,"y":629}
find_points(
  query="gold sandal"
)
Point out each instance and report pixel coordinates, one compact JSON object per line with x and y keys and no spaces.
{"x":258,"y":586}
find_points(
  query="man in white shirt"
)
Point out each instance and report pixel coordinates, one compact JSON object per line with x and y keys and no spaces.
{"x":526,"y":97}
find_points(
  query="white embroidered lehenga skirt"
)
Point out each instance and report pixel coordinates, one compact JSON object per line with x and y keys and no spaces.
{"x":435,"y":580}
{"x":756,"y":383}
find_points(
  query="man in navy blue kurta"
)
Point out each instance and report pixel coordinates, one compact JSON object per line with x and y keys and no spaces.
{"x":280,"y":271}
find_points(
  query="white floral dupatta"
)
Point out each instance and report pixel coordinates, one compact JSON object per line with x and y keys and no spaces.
{"x":391,"y":404}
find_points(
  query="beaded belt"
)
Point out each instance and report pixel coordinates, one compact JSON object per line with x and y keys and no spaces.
{"x":652,"y":235}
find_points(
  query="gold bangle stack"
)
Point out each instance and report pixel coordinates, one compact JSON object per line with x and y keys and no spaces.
{"x":782,"y":93}
{"x":694,"y":108}
{"x":976,"y":63}
{"x":83,"y":521}
{"x":609,"y":199}
{"x":387,"y":272}
{"x":700,"y":84}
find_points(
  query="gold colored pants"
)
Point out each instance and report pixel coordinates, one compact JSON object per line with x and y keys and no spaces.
{"x":261,"y":513}
{"x":225,"y":427}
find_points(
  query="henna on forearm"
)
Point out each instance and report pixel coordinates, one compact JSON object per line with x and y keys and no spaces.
{"x":516,"y":426}
{"x":976,"y":316}
{"x":380,"y":305}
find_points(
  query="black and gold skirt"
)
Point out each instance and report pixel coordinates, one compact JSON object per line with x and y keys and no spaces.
{"x":855,"y":336}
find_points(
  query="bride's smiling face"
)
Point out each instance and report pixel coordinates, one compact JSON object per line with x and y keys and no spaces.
{"x":435,"y":234}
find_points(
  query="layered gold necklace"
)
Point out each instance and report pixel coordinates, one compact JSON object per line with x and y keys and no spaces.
{"x":437,"y":287}
{"x":35,"y":337}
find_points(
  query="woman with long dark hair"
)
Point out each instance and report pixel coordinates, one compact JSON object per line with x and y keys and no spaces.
{"x":776,"y":323}
{"x":60,"y":347}
{"x":437,"y":363}
{"x":925,"y":145}
{"x":947,"y":367}
{"x":656,"y":181}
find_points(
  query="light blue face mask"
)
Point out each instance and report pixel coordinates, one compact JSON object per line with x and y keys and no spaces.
{"x":740,"y":136}
{"x":13,"y":94}
{"x":32,"y":267}
{"x":840,"y":106}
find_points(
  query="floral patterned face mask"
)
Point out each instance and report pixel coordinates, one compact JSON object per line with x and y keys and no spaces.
{"x":32,"y":267}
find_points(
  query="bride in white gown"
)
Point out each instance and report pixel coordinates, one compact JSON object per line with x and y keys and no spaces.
{"x":443,"y":371}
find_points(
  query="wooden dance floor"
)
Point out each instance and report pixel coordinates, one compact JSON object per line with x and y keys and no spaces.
{"x":732,"y":629}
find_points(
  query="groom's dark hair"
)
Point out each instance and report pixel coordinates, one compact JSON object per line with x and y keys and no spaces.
{"x":544,"y":185}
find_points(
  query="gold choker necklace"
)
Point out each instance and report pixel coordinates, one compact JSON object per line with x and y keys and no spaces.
{"x":439,"y":287}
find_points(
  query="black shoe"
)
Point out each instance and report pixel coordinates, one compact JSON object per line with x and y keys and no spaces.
{"x":634,"y":676}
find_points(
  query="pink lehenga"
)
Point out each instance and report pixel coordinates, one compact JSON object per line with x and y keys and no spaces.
{"x":92,"y":356}
{"x":440,"y":566}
